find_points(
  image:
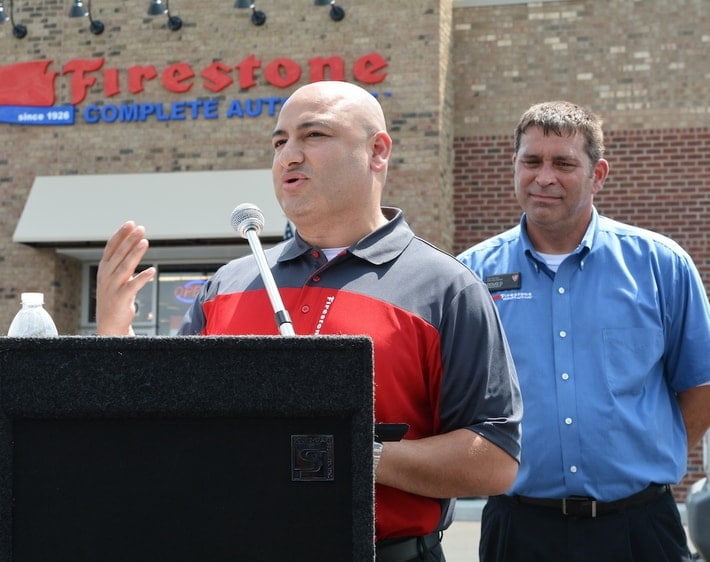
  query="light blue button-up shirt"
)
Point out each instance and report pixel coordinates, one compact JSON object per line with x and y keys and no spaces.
{"x":601,"y":348}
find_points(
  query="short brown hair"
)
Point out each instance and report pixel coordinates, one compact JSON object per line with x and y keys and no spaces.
{"x":564,"y":118}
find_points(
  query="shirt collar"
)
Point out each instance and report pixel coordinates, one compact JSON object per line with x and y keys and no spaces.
{"x":380,"y":246}
{"x":584,"y":247}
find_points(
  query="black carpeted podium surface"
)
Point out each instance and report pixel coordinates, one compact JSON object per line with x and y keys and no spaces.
{"x":171,"y":449}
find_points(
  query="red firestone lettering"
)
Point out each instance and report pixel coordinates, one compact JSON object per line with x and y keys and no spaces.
{"x":178,"y":78}
{"x":112,"y":86}
{"x":319,"y":64}
{"x":366,"y":67}
{"x":175,"y":77}
{"x":282,"y":72}
{"x":215,"y":76}
{"x":80,"y":82}
{"x":246,"y":72}
{"x":136,"y":75}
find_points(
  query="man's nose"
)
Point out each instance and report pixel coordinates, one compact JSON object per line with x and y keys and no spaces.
{"x":546,"y":174}
{"x":289,"y":154}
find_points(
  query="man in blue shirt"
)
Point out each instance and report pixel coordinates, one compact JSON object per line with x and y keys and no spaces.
{"x":609,"y":327}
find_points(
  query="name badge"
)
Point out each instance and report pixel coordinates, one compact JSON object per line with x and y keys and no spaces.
{"x":503,"y":282}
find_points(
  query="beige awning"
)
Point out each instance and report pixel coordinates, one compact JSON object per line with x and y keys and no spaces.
{"x":178,"y":207}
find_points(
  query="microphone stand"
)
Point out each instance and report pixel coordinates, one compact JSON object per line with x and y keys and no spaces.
{"x":283,"y":320}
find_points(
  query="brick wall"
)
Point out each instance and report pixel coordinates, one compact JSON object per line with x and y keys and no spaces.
{"x":640,"y":64}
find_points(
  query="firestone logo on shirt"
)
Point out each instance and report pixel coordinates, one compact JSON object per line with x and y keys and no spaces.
{"x":512,"y":296}
{"x":328,"y":302}
{"x":28,"y":89}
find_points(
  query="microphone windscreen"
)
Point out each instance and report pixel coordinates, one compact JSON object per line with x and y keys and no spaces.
{"x":247,"y":216}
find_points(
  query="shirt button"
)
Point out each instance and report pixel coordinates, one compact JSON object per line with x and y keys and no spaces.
{"x":315,"y":278}
{"x":573,"y":469}
{"x":561,"y":290}
{"x":563,"y":334}
{"x":305,"y":309}
{"x":568,"y":421}
{"x":565,"y":376}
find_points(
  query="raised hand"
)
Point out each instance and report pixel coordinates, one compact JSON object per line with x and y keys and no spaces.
{"x":117,"y":282}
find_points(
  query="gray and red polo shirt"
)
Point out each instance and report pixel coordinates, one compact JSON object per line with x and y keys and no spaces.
{"x":441,"y":359}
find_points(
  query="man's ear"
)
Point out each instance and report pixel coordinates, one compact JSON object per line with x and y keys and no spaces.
{"x":600,"y":173}
{"x":380,"y":151}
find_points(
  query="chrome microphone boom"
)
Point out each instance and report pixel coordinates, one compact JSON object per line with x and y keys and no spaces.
{"x":248,"y":220}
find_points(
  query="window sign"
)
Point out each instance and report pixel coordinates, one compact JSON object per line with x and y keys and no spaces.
{"x":176,"y":292}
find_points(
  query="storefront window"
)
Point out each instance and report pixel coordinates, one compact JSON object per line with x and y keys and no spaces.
{"x":176,"y":292}
{"x":162,"y":303}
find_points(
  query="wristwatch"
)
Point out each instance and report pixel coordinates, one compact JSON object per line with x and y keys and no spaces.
{"x":376,"y":452}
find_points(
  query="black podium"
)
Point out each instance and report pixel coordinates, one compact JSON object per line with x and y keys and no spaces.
{"x":199,"y":449}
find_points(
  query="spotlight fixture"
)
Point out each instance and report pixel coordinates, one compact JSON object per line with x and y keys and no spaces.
{"x":257,"y":16}
{"x":336,"y":12}
{"x":18,"y":31}
{"x":78,"y":10}
{"x":157,"y":8}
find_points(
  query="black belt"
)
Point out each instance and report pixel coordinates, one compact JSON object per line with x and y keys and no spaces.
{"x":582,"y":506}
{"x":406,"y":548}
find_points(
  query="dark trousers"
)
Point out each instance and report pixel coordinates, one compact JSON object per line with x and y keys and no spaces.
{"x":514,"y":532}
{"x":413,"y":549}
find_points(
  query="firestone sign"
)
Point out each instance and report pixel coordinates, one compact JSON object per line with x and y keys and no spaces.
{"x":28,"y":91}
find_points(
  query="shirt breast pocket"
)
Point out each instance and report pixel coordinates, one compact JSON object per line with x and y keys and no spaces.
{"x":630,"y":354}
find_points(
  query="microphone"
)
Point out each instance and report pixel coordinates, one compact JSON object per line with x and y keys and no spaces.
{"x":248,"y":220}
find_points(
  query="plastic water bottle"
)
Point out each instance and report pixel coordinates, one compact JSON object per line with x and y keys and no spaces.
{"x":32,"y":320}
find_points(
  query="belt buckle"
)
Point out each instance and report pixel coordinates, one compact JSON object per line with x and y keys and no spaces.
{"x":591,"y":501}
